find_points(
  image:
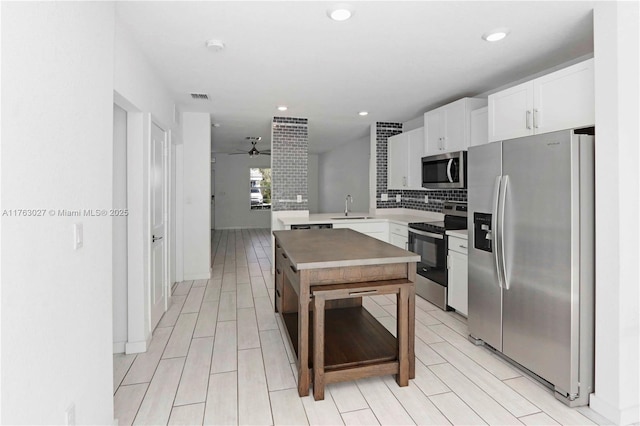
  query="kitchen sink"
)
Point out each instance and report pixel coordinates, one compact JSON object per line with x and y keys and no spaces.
{"x":352,"y":217}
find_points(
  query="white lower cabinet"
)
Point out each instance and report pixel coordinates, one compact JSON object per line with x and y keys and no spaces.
{"x":457,"y":295}
{"x":379,"y":230}
{"x":399,"y":235}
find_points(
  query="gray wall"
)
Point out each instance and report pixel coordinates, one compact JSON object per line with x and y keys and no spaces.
{"x":341,"y":171}
{"x":232,"y":183}
{"x":312,"y":183}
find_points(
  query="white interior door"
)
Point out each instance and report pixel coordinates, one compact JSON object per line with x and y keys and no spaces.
{"x":157,"y":183}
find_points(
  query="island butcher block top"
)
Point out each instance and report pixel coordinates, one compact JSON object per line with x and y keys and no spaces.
{"x":333,"y":248}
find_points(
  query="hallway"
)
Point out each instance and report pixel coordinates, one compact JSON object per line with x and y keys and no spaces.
{"x":218,"y":357}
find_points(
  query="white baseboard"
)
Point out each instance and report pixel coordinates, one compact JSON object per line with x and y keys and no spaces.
{"x":625,"y":416}
{"x":136,"y":347}
{"x":118,"y":347}
{"x":190,"y":277}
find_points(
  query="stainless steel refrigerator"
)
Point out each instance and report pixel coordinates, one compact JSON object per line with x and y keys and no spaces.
{"x":531,"y":256}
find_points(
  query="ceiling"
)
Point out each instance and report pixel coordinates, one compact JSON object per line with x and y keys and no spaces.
{"x":394,"y":59}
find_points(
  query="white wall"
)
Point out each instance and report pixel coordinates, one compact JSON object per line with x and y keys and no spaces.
{"x":616,"y":53}
{"x":57,"y":151}
{"x":341,"y":171}
{"x":196,"y":133}
{"x":119,"y":248}
{"x":233,"y":204}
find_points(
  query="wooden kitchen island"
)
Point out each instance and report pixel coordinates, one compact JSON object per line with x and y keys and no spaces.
{"x":321,"y":276}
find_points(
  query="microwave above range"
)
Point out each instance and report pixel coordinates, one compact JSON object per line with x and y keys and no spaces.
{"x":445,"y":171}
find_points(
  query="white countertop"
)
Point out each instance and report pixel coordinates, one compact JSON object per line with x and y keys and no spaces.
{"x":460,"y":233}
{"x":400,"y":217}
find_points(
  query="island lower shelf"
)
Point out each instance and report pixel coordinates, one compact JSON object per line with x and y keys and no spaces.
{"x":353,"y":337}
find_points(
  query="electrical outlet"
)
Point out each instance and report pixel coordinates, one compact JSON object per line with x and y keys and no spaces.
{"x":70,"y":415}
{"x":426,"y":199}
{"x":299,"y":198}
{"x":398,"y":198}
{"x":384,"y":197}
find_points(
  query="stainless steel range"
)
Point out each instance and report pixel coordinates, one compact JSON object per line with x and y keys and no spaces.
{"x":429,"y":241}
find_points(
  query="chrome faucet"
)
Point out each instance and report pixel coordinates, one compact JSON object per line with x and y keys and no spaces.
{"x":346,"y":204}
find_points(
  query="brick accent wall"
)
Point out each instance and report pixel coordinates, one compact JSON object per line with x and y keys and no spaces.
{"x":289,"y":163}
{"x":410,"y":199}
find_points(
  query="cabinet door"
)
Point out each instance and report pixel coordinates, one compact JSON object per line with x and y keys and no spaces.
{"x":415,"y":153}
{"x":457,"y":295}
{"x":399,"y":240}
{"x":397,"y":154}
{"x":479,"y":127}
{"x":511,"y":113}
{"x":564,"y":99}
{"x":433,"y":131}
{"x":455,"y":133}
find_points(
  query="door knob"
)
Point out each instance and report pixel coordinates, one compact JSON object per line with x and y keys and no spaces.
{"x":154,"y":239}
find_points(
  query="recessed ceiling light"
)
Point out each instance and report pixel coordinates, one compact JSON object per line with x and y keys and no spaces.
{"x":496,"y":35}
{"x":363,"y":113}
{"x":215,"y":45}
{"x":340,"y":12}
{"x":282,"y":108}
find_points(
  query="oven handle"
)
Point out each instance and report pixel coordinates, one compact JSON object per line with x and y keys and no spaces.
{"x":426,"y":234}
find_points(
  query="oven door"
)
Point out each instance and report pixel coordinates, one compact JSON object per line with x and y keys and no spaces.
{"x":431,"y":277}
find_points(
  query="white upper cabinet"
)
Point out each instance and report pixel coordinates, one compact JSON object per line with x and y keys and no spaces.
{"x":479,"y":126}
{"x":404,"y":160}
{"x":448,"y":128}
{"x":397,"y":154}
{"x":561,"y":100}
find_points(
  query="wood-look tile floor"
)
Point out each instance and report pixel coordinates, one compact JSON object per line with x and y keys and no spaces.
{"x":218,"y":357}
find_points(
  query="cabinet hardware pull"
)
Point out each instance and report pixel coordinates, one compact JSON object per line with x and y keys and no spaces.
{"x":535,"y":118}
{"x":528,"y":119}
{"x":284,"y":255}
{"x":278,"y":271}
{"x":461,"y":246}
{"x":278,"y":292}
{"x":293,"y":269}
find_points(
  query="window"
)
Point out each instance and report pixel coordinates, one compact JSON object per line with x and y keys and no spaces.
{"x":260,"y":190}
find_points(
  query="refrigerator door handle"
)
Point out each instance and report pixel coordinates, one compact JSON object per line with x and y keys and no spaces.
{"x":496,"y":229}
{"x":449,"y":164}
{"x":503,"y":199}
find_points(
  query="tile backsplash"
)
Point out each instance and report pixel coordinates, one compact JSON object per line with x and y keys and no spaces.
{"x":289,"y":159}
{"x":409,"y":199}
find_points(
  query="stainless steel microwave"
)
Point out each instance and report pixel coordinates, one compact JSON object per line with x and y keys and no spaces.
{"x":445,"y":171}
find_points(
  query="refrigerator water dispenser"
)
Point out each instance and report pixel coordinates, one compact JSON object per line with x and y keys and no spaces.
{"x":482,"y":239}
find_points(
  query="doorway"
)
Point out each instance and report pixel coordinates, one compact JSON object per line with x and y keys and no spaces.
{"x":119,"y":223}
{"x":141,"y":188}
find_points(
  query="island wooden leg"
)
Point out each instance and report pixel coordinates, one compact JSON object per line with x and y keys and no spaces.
{"x":303,"y":335}
{"x":318,"y":348}
{"x":403,"y":337}
{"x":412,"y":321}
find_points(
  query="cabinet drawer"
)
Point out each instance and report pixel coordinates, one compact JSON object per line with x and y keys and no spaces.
{"x":400,"y":230}
{"x":458,"y":245}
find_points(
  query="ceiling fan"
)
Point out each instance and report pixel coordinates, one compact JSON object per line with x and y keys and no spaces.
{"x":253,"y":152}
